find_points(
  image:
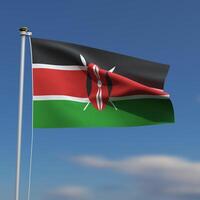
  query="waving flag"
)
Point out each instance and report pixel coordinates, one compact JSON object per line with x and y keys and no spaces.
{"x":79,"y":86}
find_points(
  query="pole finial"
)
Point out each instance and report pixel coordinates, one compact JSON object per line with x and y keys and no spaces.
{"x":24,"y":30}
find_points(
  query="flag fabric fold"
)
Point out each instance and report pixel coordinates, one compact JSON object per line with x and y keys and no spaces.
{"x":79,"y":86}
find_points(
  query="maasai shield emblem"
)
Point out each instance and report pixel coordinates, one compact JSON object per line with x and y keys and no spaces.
{"x":99,"y":84}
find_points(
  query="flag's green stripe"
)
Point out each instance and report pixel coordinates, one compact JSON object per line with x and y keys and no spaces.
{"x":59,"y":113}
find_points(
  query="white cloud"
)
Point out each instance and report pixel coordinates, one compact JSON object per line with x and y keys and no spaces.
{"x":72,"y":192}
{"x":163,"y":175}
{"x":93,"y":161}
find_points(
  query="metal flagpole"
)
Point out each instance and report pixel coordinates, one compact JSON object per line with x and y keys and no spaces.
{"x":23,"y":33}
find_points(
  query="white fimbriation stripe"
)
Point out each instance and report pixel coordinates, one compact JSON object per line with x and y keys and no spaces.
{"x":60,"y":97}
{"x":58,"y":67}
{"x":139,"y":97}
{"x":86,"y":100}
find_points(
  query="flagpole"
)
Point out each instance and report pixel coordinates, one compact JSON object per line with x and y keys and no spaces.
{"x":23,"y":33}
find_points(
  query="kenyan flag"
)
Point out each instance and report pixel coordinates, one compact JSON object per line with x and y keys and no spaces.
{"x":79,"y":86}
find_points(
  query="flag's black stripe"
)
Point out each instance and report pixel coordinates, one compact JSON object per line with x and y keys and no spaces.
{"x":60,"y":53}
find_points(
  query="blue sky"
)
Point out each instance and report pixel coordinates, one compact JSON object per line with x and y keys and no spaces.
{"x":152,"y":162}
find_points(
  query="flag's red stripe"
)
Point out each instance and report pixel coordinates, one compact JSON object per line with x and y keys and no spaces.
{"x":59,"y":82}
{"x":125,"y":87}
{"x":74,"y":83}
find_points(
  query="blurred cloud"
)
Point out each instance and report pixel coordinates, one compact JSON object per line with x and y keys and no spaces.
{"x":198,"y":98}
{"x":157,"y":176}
{"x":70,"y":192}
